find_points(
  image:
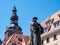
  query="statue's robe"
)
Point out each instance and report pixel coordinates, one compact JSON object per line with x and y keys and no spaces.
{"x":36,"y":30}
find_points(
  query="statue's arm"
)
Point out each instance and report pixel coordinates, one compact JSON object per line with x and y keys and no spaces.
{"x":41,"y":28}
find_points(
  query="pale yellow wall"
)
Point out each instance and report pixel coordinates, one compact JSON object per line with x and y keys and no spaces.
{"x":52,"y":31}
{"x":52,"y":41}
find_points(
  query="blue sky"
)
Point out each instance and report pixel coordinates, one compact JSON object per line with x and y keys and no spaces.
{"x":26,"y":10}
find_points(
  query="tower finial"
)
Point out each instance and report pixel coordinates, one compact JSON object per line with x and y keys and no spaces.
{"x":14,"y":16}
{"x":14,"y":10}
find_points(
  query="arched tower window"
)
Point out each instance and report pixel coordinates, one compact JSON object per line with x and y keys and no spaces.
{"x":19,"y":38}
{"x":13,"y":43}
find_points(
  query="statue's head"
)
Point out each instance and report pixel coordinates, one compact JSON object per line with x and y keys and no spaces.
{"x":35,"y":19}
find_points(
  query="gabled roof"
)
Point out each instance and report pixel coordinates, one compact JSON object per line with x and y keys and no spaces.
{"x":14,"y":38}
{"x":54,"y":17}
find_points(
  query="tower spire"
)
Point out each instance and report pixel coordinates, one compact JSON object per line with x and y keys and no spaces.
{"x":14,"y":10}
{"x":14,"y":17}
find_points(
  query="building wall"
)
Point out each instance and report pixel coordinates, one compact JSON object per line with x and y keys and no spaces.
{"x":17,"y":39}
{"x":51,"y":30}
{"x":52,"y":41}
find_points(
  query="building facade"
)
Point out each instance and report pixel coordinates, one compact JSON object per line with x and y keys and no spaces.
{"x":51,"y":25}
{"x":14,"y":34}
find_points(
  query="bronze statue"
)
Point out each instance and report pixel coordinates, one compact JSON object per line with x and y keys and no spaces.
{"x":36,"y":29}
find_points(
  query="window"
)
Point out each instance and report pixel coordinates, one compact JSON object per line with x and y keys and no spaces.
{"x":48,"y":23}
{"x":19,"y":38}
{"x":55,"y":38}
{"x":59,"y":23}
{"x":13,"y":43}
{"x":59,"y":15}
{"x":12,"y":27}
{"x":10,"y":33}
{"x":47,"y":40}
{"x":45,"y":30}
{"x":20,"y":43}
{"x":56,"y":24}
{"x":42,"y":42}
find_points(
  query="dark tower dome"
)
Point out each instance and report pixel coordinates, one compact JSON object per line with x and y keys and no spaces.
{"x":14,"y":20}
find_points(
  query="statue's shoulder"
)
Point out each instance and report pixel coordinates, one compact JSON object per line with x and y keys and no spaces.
{"x":31,"y":22}
{"x":38,"y":23}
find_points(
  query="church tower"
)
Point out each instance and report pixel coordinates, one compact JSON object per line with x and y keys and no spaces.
{"x":14,"y":28}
